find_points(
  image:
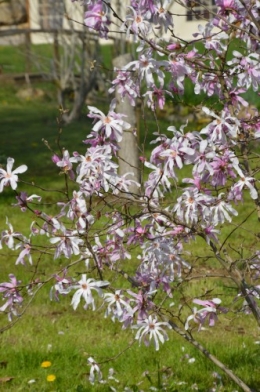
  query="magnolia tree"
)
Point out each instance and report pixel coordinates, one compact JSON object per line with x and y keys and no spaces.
{"x":146,"y":239}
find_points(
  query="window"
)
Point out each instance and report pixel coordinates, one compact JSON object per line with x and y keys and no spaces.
{"x":51,"y":14}
{"x":200,"y":9}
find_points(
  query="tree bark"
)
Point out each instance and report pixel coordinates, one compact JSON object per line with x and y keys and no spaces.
{"x":128,"y":153}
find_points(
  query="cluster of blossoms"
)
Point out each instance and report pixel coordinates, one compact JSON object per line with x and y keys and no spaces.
{"x":100,"y":225}
{"x":12,"y":296}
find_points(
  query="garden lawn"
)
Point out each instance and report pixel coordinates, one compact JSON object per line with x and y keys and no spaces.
{"x":51,"y":331}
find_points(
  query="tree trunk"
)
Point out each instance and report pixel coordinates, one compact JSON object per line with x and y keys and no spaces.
{"x":128,"y":153}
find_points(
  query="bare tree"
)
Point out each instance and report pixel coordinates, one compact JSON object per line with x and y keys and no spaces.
{"x":75,"y":73}
{"x":72,"y":67}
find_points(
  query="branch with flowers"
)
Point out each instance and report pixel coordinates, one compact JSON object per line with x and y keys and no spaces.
{"x":147,"y":240}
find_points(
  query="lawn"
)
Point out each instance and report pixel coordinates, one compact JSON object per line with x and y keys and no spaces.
{"x":51,"y":331}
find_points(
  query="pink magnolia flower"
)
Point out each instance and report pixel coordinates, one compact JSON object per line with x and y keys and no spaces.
{"x":142,"y":304}
{"x":96,"y":18}
{"x":62,"y":286}
{"x":51,"y":224}
{"x":9,"y":177}
{"x":156,"y":179}
{"x":222,"y":168}
{"x":162,"y":17}
{"x":12,"y":296}
{"x":147,"y":67}
{"x":179,"y":69}
{"x":225,"y":4}
{"x":208,"y":311}
{"x":137,"y":23}
{"x":211,"y":234}
{"x":247,"y":68}
{"x":222,"y":127}
{"x":68,"y":243}
{"x":77,"y":211}
{"x":139,"y":233}
{"x":246,"y":182}
{"x":156,"y":97}
{"x":66,"y":164}
{"x":25,"y":251}
{"x":123,"y":183}
{"x":23,"y":199}
{"x":125,"y":86}
{"x":146,"y":5}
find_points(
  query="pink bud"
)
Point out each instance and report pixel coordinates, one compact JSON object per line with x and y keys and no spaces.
{"x":55,"y":158}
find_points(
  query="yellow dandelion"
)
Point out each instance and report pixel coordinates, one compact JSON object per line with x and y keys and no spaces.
{"x":51,"y":378}
{"x":46,"y":364}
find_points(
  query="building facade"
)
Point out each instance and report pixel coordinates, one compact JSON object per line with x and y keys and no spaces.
{"x":45,"y":16}
{"x":63,"y":14}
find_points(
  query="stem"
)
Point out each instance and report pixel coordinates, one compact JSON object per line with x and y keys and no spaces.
{"x":211,"y":357}
{"x":228,"y":264}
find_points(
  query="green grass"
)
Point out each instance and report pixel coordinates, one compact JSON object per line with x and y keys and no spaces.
{"x":53,"y":331}
{"x":13,"y":59}
{"x":56,"y":333}
{"x":26,"y":126}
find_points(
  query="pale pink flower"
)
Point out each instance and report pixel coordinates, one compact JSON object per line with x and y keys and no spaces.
{"x":246,"y":182}
{"x":23,"y":199}
{"x":66,"y":164}
{"x":162,"y":17}
{"x":111,"y":124}
{"x":225,"y":4}
{"x":25,"y":251}
{"x":137,"y":23}
{"x":12,"y":296}
{"x":96,"y":18}
{"x":117,"y":304}
{"x":68,"y":243}
{"x":208,"y":311}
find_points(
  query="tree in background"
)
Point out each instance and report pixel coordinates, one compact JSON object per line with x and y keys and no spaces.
{"x":197,"y":184}
{"x":71,"y":66}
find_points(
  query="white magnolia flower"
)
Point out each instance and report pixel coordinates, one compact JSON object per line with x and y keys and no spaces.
{"x":246,"y":181}
{"x":222,"y":211}
{"x":94,"y":369}
{"x":152,"y":329}
{"x":116,"y":304}
{"x":8,"y":236}
{"x":112,"y":123}
{"x":85,"y":287}
{"x":9,"y":177}
{"x":68,"y":243}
